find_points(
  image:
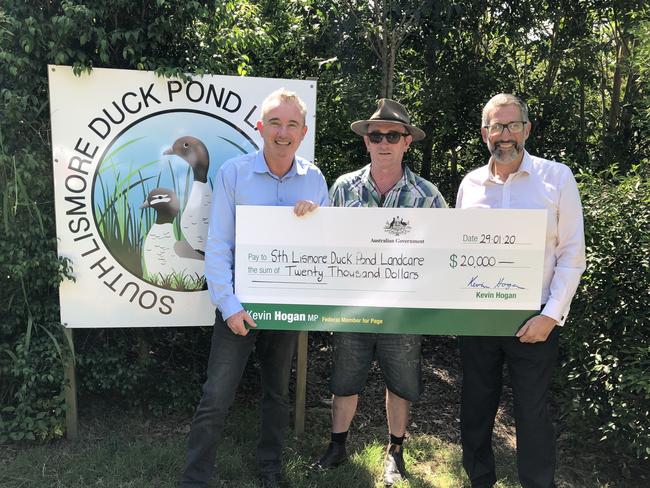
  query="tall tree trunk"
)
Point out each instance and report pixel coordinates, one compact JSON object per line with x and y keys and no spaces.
{"x":454,"y":167}
{"x":554,"y":59}
{"x":582,"y":129}
{"x":625,"y":129}
{"x":385,"y":51}
{"x":615,"y":97}
{"x":390,"y":70}
{"x":385,"y":36}
{"x":427,"y":151}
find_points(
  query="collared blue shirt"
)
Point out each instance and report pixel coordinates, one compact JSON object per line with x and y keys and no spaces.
{"x":247,"y":180}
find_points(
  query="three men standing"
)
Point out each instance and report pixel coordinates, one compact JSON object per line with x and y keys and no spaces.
{"x":511,"y":179}
{"x":515,"y":179}
{"x":385,"y":182}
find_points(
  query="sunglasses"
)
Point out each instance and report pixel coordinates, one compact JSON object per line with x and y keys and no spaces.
{"x":391,"y":137}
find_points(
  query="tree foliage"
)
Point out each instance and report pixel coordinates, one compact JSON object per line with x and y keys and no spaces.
{"x":606,"y":367}
{"x":581,"y":66}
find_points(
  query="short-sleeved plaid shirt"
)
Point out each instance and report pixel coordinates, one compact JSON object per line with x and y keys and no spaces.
{"x":357,"y":189}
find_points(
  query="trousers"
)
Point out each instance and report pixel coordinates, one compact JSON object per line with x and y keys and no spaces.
{"x":530,"y":367}
{"x":229,"y":354}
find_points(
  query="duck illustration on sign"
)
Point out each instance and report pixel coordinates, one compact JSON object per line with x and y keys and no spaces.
{"x":162,"y":241}
{"x":166,"y":258}
{"x":194,"y":220}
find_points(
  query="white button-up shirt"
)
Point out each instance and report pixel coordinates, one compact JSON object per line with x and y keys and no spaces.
{"x":539,"y":183}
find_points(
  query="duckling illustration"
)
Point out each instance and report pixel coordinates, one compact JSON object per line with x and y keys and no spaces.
{"x":163,"y":254}
{"x":194,"y":219}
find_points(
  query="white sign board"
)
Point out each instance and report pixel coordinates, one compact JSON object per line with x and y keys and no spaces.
{"x":121,"y":139}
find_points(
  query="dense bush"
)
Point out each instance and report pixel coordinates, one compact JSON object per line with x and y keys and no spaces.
{"x":31,"y":342}
{"x":33,"y":403}
{"x":156,"y":370}
{"x":606,"y":345}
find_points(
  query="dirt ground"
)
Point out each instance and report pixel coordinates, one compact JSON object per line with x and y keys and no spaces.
{"x":437,"y":413}
{"x":438,"y":410}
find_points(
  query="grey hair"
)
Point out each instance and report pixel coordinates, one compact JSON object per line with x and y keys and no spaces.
{"x":499,"y":101}
{"x":283,"y":95}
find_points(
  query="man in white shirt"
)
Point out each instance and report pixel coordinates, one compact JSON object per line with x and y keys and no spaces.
{"x":515,"y":179}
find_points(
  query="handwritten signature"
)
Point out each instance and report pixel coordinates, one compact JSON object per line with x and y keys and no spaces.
{"x":475,"y":282}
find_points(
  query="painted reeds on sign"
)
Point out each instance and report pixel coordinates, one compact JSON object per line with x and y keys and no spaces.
{"x":120,"y":189}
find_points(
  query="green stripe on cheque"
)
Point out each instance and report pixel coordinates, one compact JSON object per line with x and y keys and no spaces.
{"x":388,"y":320}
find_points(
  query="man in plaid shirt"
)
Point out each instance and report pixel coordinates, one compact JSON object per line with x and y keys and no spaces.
{"x":385,"y":182}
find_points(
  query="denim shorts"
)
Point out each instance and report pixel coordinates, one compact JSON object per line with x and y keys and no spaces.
{"x":398,"y":355}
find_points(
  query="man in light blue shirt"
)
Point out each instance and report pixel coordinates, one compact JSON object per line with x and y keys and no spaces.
{"x":272,"y":176}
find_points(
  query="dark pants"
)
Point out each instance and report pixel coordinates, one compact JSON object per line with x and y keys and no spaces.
{"x":228,"y":357}
{"x":530,"y":367}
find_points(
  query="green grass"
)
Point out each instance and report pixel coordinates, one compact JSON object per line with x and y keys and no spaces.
{"x":124,"y":449}
{"x":177,"y":281}
{"x":130,"y":451}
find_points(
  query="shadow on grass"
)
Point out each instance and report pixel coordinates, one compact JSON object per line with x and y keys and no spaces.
{"x":124,"y":449}
{"x":301,"y":455}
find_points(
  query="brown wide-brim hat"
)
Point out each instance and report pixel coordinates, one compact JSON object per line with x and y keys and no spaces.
{"x":388,"y":111}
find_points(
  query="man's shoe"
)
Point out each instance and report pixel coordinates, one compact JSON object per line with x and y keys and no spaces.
{"x":334,"y":456}
{"x":394,"y":469}
{"x":272,"y":480}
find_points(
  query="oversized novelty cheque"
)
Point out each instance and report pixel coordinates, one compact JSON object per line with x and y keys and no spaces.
{"x":428,"y":271}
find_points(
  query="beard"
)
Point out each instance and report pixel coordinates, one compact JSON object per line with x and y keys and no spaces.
{"x":506,"y":156}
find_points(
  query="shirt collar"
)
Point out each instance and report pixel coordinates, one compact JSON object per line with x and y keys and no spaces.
{"x":524,"y":167}
{"x":299,"y":166}
{"x":526,"y":164}
{"x":365,"y":176}
{"x":407,"y":177}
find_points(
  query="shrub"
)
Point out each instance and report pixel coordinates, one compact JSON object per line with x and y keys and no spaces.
{"x":31,"y":343}
{"x":606,"y":346}
{"x":157,"y":370}
{"x":33,"y":398}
